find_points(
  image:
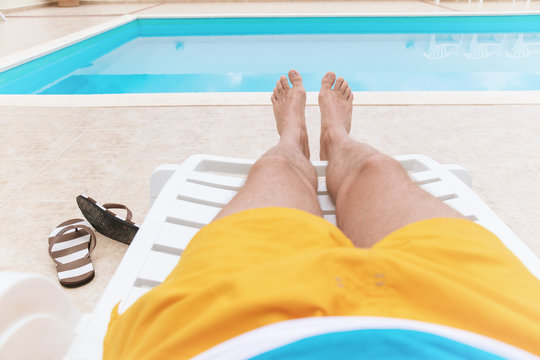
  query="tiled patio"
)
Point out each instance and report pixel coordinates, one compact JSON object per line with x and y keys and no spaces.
{"x":49,"y":155}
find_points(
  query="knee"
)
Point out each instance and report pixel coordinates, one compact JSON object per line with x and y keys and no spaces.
{"x":380,"y":164}
{"x":375,"y":169}
{"x":272,"y":165}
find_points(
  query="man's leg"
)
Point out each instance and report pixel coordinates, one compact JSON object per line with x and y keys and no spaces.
{"x":372,"y":192}
{"x":283,"y":176}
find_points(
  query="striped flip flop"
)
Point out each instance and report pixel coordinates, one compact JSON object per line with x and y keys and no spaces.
{"x":70,"y":245}
{"x":107,"y":222}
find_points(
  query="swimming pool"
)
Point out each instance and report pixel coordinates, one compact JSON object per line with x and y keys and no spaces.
{"x":247,"y":54}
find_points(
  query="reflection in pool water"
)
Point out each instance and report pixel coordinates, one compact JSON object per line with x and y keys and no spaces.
{"x":421,"y":62}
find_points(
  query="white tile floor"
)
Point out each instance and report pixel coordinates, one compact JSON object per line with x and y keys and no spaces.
{"x":50,"y":155}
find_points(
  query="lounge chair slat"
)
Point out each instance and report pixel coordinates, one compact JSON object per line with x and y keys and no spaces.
{"x":321,"y":186}
{"x":327,"y":206}
{"x":220,"y":181}
{"x":424,"y":177}
{"x":190,"y":213}
{"x":412,"y":163}
{"x":173,"y":238}
{"x":460,"y":206}
{"x":330,"y":218}
{"x":206,"y":194}
{"x":157,"y":266}
{"x":134,"y":294}
{"x":231,"y":166}
{"x":440,"y":190}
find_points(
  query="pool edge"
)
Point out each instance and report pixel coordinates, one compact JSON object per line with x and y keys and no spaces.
{"x":263,"y":98}
{"x":18,"y":58}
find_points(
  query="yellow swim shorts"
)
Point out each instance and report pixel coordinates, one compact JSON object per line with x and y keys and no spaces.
{"x":267,"y":265}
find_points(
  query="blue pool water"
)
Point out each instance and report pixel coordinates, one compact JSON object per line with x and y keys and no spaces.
{"x":440,"y":53}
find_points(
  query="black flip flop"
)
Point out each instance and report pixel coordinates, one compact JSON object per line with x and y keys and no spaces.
{"x":106,"y":222}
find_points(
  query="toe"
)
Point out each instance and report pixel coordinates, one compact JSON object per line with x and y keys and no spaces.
{"x":328,"y":80}
{"x":338,"y":84}
{"x":348,"y":92}
{"x":295,"y":78}
{"x":344,"y":87}
{"x":276,"y":93}
{"x":284,"y":82}
{"x":279,"y":87}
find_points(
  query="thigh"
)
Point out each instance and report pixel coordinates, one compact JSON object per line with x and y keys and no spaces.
{"x":275,"y":180}
{"x":380,"y":198}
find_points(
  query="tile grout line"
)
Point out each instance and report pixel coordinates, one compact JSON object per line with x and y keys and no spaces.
{"x":432,"y":3}
{"x":48,"y":162}
{"x":144,"y":9}
{"x":82,"y":132}
{"x":128,"y":167}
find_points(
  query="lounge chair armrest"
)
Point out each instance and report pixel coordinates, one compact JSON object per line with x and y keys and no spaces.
{"x":159,"y":178}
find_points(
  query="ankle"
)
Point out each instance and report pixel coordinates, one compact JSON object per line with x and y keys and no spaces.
{"x":296,"y":140}
{"x":333,"y":138}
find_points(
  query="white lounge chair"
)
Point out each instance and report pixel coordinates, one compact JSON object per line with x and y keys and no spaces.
{"x":483,"y":46}
{"x":441,"y":47}
{"x":525,"y":46}
{"x":185,"y":198}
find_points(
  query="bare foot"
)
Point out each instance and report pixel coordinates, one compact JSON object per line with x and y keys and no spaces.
{"x":336,"y":111}
{"x":289,"y":111}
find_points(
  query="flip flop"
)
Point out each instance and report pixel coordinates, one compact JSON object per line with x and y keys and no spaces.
{"x":70,"y":245}
{"x":106,"y":222}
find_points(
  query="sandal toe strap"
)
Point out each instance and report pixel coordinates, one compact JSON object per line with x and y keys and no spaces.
{"x":129,"y":215}
{"x":55,"y":239}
